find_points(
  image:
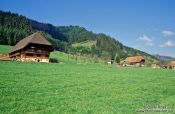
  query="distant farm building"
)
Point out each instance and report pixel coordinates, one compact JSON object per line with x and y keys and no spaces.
{"x":34,"y":48}
{"x":137,"y":61}
{"x":155,"y":66}
{"x":171,"y":65}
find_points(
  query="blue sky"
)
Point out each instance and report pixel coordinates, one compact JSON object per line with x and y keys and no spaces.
{"x":147,"y":25}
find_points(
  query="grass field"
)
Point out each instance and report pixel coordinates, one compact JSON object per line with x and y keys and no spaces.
{"x":72,"y":88}
{"x":83,"y":89}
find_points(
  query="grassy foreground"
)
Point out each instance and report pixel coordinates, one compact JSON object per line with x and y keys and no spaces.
{"x":82,"y":88}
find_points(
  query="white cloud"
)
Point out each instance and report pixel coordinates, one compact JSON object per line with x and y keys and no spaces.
{"x":145,"y":38}
{"x":148,"y":41}
{"x":168,"y":43}
{"x":167,"y":33}
{"x":149,"y":44}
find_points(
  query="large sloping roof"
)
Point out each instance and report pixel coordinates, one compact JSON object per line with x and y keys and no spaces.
{"x":135,"y":59}
{"x":171,"y":64}
{"x":35,"y":38}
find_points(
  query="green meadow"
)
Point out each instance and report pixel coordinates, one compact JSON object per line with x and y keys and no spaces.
{"x":83,"y":88}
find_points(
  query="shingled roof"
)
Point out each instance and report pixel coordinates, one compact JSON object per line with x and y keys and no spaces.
{"x":35,"y":38}
{"x":171,"y":64}
{"x":135,"y":59}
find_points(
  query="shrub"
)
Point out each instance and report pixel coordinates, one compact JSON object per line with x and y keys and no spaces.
{"x":53,"y":60}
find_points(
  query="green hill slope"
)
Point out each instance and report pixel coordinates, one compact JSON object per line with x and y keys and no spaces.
{"x":100,"y":44}
{"x":87,"y":44}
{"x":5,"y":49}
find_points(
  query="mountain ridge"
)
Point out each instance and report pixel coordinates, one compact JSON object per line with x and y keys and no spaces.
{"x":164,"y":58}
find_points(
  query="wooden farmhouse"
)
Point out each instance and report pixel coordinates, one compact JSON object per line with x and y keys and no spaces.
{"x":34,"y":48}
{"x":137,"y":61}
{"x":171,"y":65}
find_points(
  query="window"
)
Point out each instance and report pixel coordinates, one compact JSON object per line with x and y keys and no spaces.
{"x":32,"y":47}
{"x":47,"y":55}
{"x":39,"y":51}
{"x":30,"y":50}
{"x":38,"y":55}
{"x":29,"y":54}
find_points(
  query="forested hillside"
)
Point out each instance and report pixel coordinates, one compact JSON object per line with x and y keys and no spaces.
{"x":14,"y":27}
{"x":48,"y":28}
{"x":105,"y":47}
